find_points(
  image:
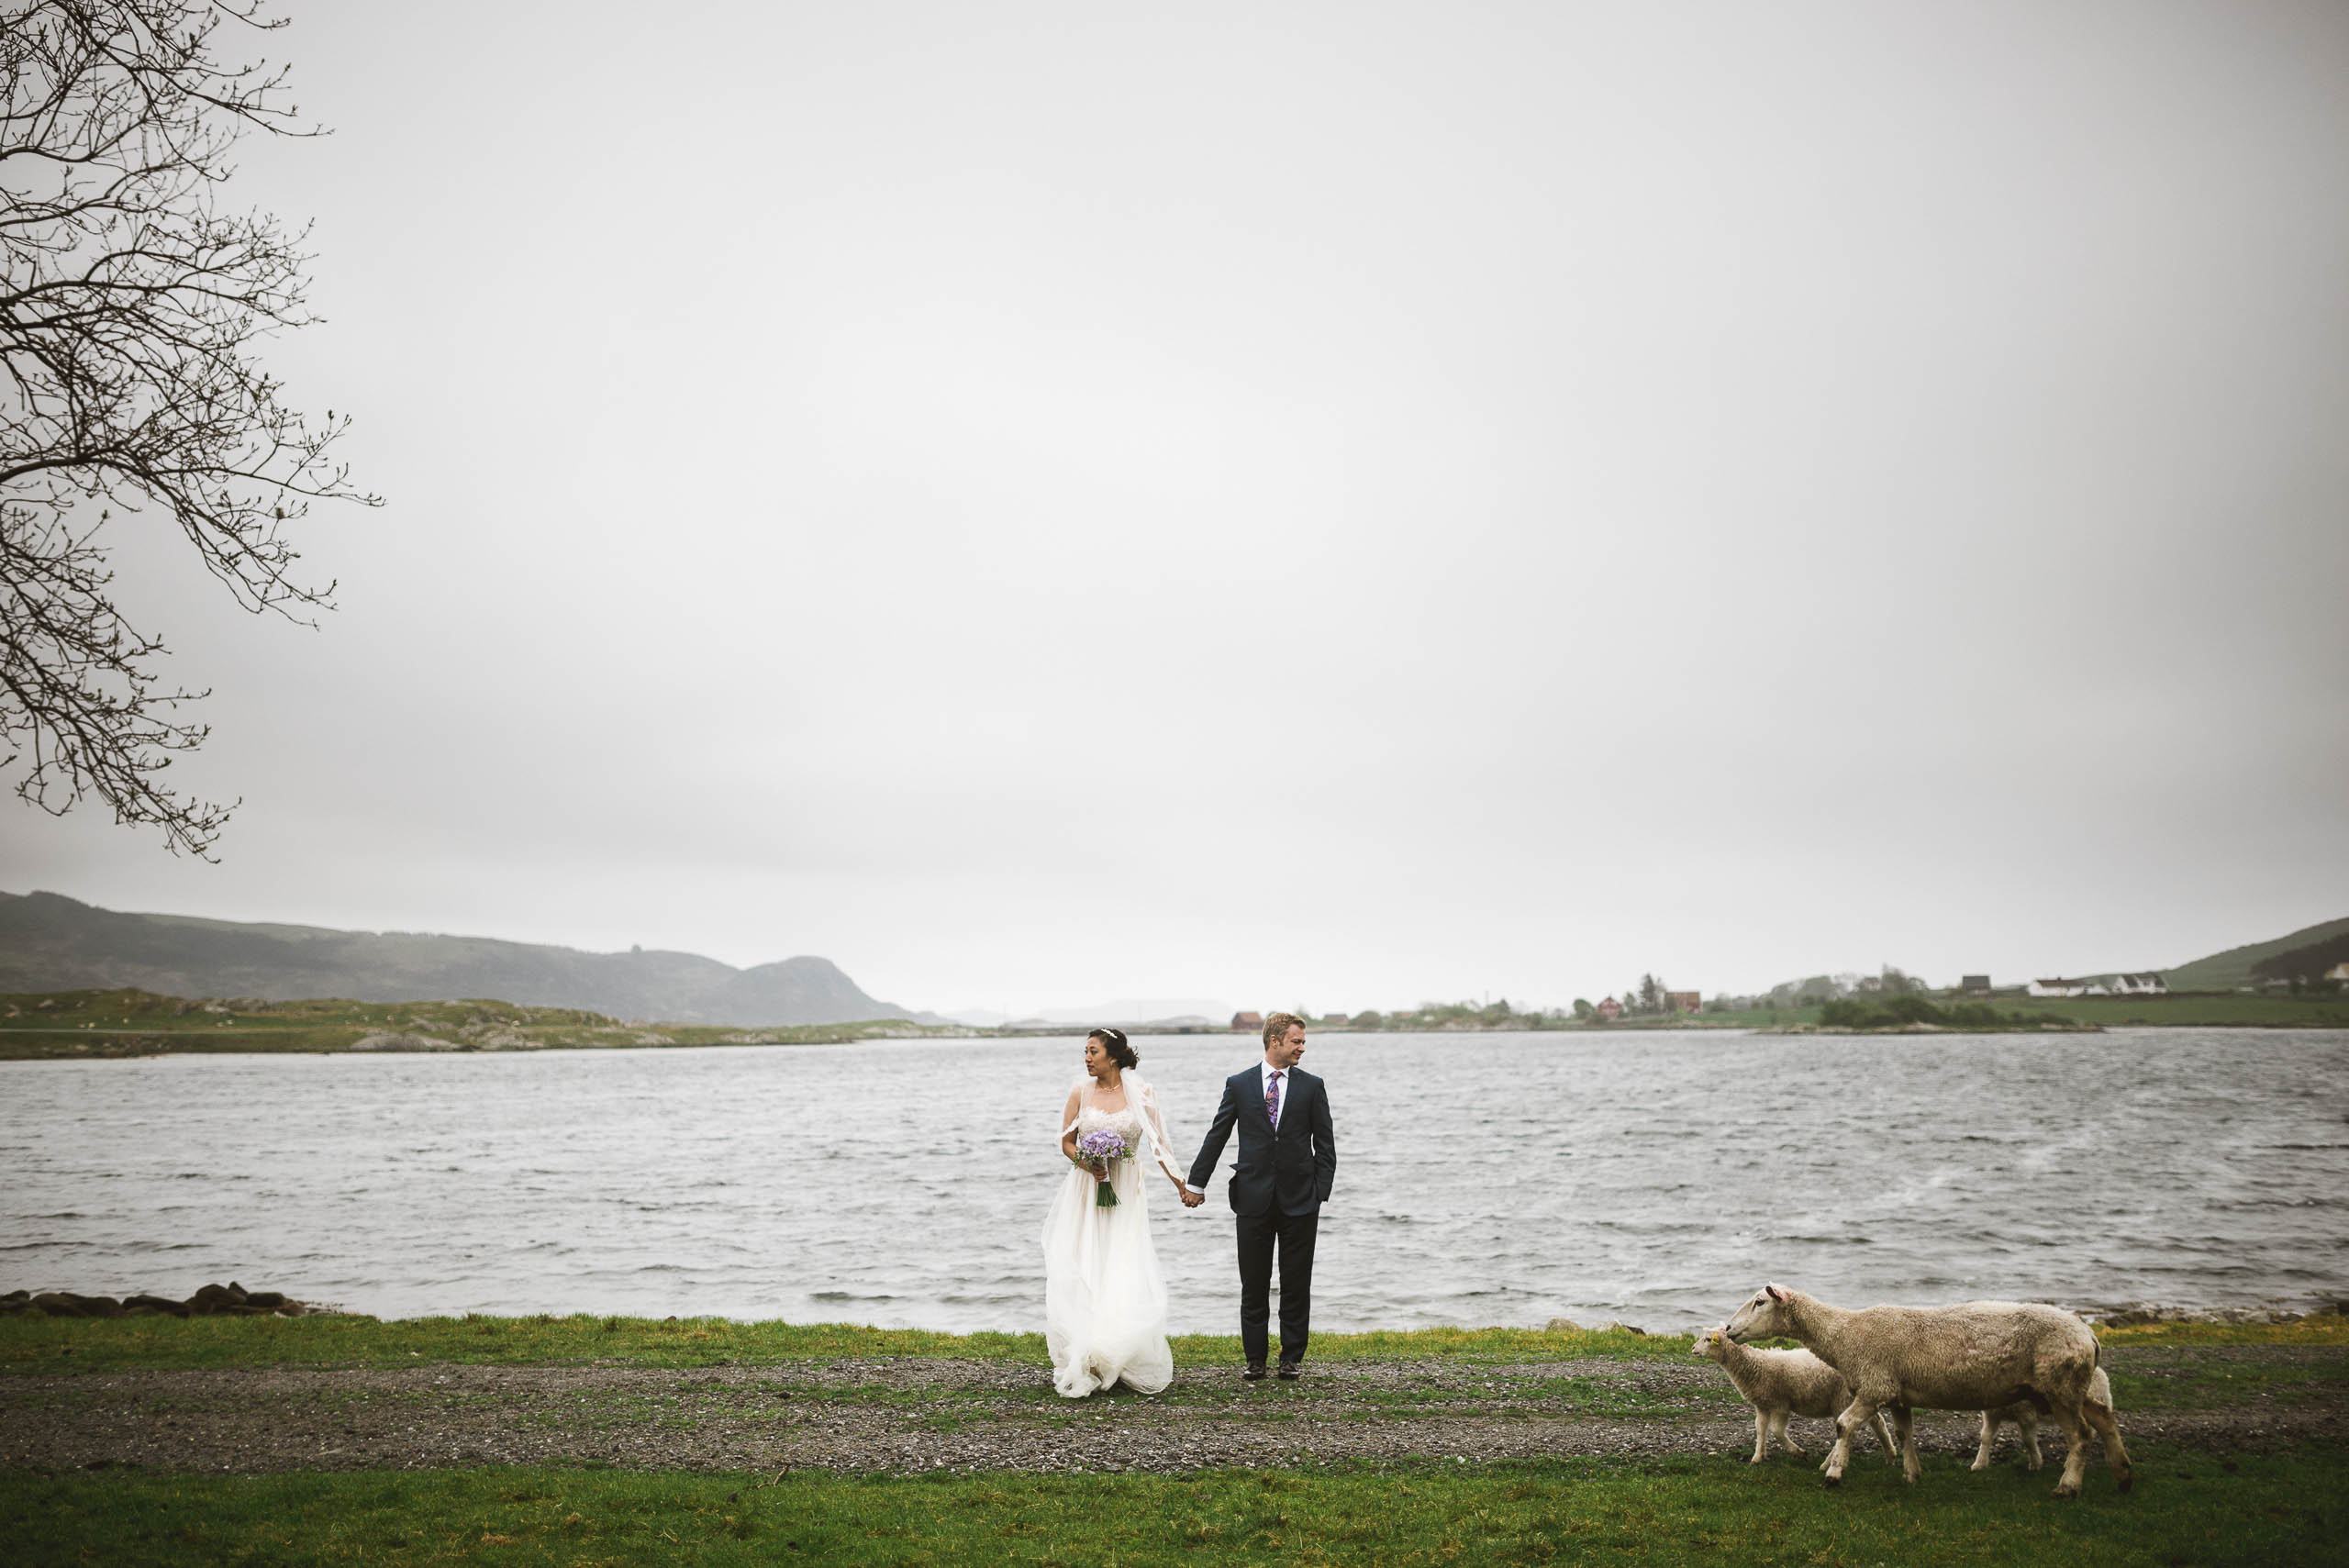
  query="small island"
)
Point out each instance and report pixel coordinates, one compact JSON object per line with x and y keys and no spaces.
{"x":82,"y":1025}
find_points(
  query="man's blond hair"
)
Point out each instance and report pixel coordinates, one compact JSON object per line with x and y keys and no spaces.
{"x":1276,"y":1028}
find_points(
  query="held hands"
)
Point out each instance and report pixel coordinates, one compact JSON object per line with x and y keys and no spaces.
{"x":1190,"y":1199}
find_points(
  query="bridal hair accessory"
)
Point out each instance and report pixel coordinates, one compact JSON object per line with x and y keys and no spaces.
{"x":1099,"y":1147}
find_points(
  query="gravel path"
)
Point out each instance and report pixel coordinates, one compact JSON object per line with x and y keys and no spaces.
{"x":909,"y":1415}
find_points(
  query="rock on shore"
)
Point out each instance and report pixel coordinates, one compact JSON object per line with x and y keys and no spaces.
{"x":230,"y":1300}
{"x":385,"y":1040}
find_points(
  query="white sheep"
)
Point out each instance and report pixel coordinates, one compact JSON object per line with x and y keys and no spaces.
{"x":1983,"y":1355}
{"x":1780,"y":1384}
{"x":2024,"y":1417}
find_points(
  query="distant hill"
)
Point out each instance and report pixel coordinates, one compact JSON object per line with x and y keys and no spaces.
{"x":1138,"y":1014}
{"x":2242,"y":966}
{"x":49,"y":942}
{"x":2305,"y":963}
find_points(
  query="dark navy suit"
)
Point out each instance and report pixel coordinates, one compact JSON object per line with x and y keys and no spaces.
{"x":1278,"y":1186}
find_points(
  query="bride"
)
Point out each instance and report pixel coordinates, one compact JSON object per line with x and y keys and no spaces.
{"x":1104,"y":1305}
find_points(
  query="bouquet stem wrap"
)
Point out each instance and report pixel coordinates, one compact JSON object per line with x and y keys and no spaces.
{"x":1102,"y":1146}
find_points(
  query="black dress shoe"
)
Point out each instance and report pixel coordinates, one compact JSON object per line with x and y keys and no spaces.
{"x":1255,"y":1372}
{"x":1289,"y":1369}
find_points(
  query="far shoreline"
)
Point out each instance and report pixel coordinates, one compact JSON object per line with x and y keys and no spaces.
{"x":122,"y":1024}
{"x":29,"y":1046}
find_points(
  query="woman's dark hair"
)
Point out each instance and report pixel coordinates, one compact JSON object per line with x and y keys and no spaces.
{"x":1114,"y":1042}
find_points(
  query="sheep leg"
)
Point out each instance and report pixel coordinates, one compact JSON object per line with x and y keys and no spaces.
{"x":1884,"y":1436}
{"x":2029,"y":1423}
{"x":1785,"y":1432}
{"x":1761,"y":1434}
{"x":2076,"y":1459}
{"x":2107,"y":1423}
{"x":1855,"y":1416}
{"x":1990,"y":1439}
{"x":1891,"y":1423}
{"x":1903,"y":1423}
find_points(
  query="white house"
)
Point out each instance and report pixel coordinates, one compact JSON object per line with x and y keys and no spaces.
{"x":2102,"y":985}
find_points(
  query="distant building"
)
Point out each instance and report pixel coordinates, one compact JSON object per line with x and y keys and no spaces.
{"x":1334,"y":1020}
{"x":1976,"y":985}
{"x":2103,"y":985}
{"x":1684,"y":1002}
{"x":1253,"y":1022}
{"x":1610,"y":1010}
{"x":2338,"y":972}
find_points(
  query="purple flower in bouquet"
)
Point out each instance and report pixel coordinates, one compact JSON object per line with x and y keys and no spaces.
{"x":1100,"y":1146}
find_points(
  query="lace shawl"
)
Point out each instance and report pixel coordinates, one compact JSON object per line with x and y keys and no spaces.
{"x":1141,"y":1099}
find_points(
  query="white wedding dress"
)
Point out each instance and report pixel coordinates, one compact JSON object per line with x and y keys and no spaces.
{"x":1104,"y":1301}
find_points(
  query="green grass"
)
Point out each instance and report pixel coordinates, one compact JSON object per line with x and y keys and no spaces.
{"x":2324,"y":1329}
{"x":2206,"y":1012}
{"x":2184,"y":1381}
{"x":2187,"y":1508}
{"x":55,"y":1345}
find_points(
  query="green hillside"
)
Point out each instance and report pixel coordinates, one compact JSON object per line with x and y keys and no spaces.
{"x":2225,"y":971}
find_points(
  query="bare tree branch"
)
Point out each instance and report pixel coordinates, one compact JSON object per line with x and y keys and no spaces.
{"x":132,"y":306}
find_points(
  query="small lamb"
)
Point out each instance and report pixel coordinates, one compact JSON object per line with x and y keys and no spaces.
{"x":2025,"y":1417}
{"x":1780,"y":1384}
{"x":1978,"y":1355}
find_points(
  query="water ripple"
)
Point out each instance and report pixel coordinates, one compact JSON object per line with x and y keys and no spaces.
{"x":1683,"y":1170}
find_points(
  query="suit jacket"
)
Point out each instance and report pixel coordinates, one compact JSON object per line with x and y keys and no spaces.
{"x":1290,"y":1169}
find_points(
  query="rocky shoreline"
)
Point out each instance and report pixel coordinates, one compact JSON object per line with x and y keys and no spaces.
{"x":230,"y":1300}
{"x":2139,"y":1314}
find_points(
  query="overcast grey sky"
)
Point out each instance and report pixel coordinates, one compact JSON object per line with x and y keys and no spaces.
{"x":1327,"y":503}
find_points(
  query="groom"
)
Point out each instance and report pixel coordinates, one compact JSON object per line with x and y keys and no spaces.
{"x":1287,"y":1158}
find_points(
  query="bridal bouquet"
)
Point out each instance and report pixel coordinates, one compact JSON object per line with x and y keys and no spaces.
{"x":1099,"y":1147}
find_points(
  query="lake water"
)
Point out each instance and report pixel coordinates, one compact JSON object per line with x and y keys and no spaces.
{"x":1482,"y":1179}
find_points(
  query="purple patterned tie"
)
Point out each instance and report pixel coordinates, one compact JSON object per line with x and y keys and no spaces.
{"x":1273,"y":1099}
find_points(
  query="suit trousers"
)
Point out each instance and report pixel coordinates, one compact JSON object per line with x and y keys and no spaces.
{"x":1258,"y":1234}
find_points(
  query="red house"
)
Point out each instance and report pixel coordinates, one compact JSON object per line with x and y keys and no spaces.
{"x":1608,"y":1010}
{"x":1253,"y":1023}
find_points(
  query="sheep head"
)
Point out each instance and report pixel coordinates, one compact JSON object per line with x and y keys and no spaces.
{"x":1764,"y":1318}
{"x":1712,"y":1343}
